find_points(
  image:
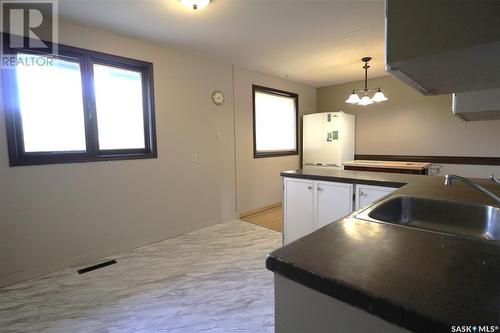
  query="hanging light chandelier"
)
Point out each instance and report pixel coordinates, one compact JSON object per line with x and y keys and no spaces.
{"x":365,"y":99}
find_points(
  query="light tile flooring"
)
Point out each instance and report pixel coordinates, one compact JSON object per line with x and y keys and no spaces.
{"x":209,"y":280}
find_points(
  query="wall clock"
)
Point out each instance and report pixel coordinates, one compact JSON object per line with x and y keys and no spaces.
{"x":218,"y":97}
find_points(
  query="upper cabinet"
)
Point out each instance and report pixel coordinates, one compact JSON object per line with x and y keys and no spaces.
{"x":444,"y":46}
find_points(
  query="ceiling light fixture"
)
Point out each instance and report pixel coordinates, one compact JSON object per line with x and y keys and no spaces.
{"x":195,"y":4}
{"x":366,"y":100}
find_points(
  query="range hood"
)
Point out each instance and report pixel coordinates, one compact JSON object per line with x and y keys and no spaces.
{"x":444,"y":46}
{"x":477,"y":105}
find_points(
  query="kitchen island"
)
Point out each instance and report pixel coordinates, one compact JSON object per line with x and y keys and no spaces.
{"x":355,"y":275}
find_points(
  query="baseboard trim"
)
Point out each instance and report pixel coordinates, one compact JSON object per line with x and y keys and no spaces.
{"x":258,"y":210}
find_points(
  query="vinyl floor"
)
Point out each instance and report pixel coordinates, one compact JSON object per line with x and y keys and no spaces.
{"x":209,"y":280}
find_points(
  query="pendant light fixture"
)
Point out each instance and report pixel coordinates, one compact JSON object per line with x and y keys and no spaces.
{"x":365,"y":99}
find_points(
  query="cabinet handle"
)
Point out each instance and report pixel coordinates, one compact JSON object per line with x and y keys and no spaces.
{"x":309,"y":187}
{"x":361,"y":193}
{"x":319,"y":188}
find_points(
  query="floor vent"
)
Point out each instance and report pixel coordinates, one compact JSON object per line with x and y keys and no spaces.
{"x":94,"y":267}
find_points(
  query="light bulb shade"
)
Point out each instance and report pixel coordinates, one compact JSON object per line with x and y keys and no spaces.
{"x":365,"y":100}
{"x":353,"y":98}
{"x":379,"y":97}
{"x":195,"y":4}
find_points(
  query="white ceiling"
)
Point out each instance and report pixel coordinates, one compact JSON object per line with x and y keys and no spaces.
{"x":310,"y":41}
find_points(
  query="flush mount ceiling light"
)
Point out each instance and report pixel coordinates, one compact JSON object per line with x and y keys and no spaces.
{"x":365,"y":99}
{"x":195,"y":4}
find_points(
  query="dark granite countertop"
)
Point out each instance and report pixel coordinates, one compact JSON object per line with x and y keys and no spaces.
{"x":420,"y":280}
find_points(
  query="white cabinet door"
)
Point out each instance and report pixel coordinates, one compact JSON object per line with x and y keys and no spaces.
{"x":366,"y":194}
{"x":298,"y":208}
{"x":334,"y":201}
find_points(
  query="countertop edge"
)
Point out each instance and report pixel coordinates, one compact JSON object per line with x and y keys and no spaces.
{"x":393,"y":313}
{"x":349,"y":180}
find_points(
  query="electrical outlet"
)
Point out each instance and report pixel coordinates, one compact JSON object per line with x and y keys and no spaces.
{"x":435,"y":169}
{"x":194,"y":157}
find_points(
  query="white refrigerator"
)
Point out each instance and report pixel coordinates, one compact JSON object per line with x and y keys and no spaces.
{"x":328,"y":139}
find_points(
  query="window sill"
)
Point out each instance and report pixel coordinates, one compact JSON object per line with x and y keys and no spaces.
{"x":275,"y":154}
{"x":76,"y":158}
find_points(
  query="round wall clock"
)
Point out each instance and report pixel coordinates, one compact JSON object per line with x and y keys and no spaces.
{"x":218,"y":97}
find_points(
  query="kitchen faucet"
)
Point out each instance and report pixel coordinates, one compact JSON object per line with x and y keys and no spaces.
{"x":448,"y":179}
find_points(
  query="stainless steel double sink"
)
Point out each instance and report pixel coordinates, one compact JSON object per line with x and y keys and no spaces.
{"x":449,"y":217}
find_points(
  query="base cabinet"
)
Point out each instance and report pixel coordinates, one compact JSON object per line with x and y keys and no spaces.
{"x":298,"y":209}
{"x":299,"y":309}
{"x":309,"y":205}
{"x":367,"y":194}
{"x":333,"y":201}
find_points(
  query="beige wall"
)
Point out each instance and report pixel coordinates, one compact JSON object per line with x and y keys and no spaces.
{"x":413,"y":124}
{"x":258,"y":180}
{"x":55,"y":216}
{"x":68,"y":214}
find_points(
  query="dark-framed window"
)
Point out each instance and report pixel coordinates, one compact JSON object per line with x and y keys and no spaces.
{"x":275,"y":122}
{"x":78,"y":106}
